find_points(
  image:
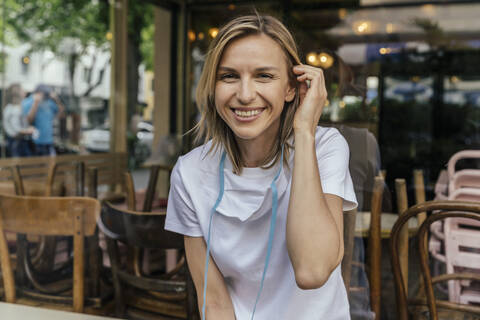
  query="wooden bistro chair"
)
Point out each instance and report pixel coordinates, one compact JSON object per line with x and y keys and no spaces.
{"x":138,"y":295}
{"x":373,"y":232}
{"x":437,"y":308}
{"x":53,"y":216}
{"x":52,"y":261}
{"x":28,"y":255}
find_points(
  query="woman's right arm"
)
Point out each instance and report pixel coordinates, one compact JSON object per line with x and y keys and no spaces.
{"x":219,"y":305}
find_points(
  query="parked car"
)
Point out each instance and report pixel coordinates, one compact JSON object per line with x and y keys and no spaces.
{"x":98,"y":140}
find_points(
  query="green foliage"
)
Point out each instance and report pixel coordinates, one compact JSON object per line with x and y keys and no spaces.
{"x":141,"y":30}
{"x":45,"y":24}
{"x":147,"y":45}
{"x":3,"y":61}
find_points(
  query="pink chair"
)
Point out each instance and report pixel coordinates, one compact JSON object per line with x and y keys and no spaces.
{"x":463,"y":178}
{"x":457,"y":242}
{"x":462,"y":238}
{"x":462,"y":249}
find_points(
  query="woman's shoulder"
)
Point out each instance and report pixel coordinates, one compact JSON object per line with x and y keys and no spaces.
{"x":328,"y":135}
{"x":200,"y":159}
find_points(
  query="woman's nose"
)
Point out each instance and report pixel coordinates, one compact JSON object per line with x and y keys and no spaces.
{"x":246,"y":92}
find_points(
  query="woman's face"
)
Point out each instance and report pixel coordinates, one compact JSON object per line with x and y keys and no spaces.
{"x":252,"y":87}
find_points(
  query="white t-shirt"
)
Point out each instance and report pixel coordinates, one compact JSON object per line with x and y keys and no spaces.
{"x":241,"y":225}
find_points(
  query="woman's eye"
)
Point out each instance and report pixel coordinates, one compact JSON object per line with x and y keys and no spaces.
{"x":265,"y":76}
{"x":227,"y":76}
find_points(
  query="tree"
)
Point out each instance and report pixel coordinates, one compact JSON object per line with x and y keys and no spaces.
{"x":68,"y":28}
{"x":73,"y":28}
{"x":140,"y":48}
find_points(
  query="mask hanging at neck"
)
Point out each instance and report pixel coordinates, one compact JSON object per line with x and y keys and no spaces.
{"x":273,"y":221}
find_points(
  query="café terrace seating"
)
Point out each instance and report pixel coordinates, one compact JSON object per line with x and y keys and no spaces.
{"x":49,"y":216}
{"x":158,"y":290}
{"x":429,"y":304}
{"x":137,"y":294}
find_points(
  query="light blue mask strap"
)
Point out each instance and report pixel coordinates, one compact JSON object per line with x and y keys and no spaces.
{"x":220,"y":196}
{"x":270,"y":236}
{"x":272,"y":231}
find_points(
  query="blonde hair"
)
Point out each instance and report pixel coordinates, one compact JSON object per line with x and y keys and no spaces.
{"x":211,"y":125}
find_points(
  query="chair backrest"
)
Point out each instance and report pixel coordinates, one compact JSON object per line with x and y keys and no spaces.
{"x":146,"y":230}
{"x":439,"y":210}
{"x":466,"y":177}
{"x":11,"y":181}
{"x":69,"y":216}
{"x":71,"y":174}
{"x":141,"y":229}
{"x":34,"y":170}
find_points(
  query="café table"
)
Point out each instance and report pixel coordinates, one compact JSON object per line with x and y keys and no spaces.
{"x":362,"y":224}
{"x":11,"y":311}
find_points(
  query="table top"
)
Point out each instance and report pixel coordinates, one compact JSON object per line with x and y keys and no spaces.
{"x":362,"y":224}
{"x":10,"y":311}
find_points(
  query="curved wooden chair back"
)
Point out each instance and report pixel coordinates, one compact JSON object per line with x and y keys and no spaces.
{"x":141,"y":229}
{"x":146,"y":230}
{"x":440,"y":210}
{"x":69,"y":216}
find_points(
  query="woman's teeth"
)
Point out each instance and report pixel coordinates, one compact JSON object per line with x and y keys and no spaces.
{"x":246,"y":114}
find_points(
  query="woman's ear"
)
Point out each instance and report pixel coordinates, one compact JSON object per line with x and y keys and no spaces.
{"x":290,"y":94}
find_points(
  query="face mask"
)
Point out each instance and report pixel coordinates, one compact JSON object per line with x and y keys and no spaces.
{"x":270,"y":236}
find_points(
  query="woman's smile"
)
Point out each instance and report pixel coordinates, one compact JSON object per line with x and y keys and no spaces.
{"x":247,"y":114}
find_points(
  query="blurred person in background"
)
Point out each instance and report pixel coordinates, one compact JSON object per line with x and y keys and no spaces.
{"x":17,"y":130}
{"x":41,"y":109}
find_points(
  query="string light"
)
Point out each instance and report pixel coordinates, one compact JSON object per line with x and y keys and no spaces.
{"x":325,"y":60}
{"x":363,"y":27}
{"x":213,"y":32}
{"x":389,"y":28}
{"x":312,"y":58}
{"x":191,"y":35}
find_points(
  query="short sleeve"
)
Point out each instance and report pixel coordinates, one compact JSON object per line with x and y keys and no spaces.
{"x":181,"y":217}
{"x":333,"y":159}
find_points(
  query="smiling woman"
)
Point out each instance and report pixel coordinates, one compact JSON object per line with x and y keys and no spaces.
{"x":260,"y":204}
{"x":251,"y":90}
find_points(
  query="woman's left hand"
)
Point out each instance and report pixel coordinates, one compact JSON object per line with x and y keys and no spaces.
{"x":312,"y":97}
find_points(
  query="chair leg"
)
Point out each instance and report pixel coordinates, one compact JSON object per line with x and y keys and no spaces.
{"x":112,"y":250}
{"x":20,"y":272}
{"x":192,"y":303}
{"x":94,"y":265}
